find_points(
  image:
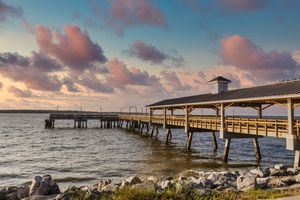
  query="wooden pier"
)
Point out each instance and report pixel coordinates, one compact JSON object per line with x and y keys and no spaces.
{"x":161,"y":115}
{"x":106,"y":120}
{"x":285,"y":94}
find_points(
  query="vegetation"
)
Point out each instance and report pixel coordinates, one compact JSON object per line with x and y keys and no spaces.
{"x":182,"y":194}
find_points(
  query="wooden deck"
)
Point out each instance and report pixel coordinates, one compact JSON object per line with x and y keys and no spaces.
{"x":106,"y":120}
{"x":250,"y":126}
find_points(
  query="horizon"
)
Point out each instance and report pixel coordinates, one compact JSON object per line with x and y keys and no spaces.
{"x":112,"y":54}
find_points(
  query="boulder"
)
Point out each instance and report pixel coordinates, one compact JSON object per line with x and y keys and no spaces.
{"x":110,"y":188}
{"x":152,"y":179}
{"x":165,"y":184}
{"x":261,"y":171}
{"x":43,"y":186}
{"x":280,"y":166}
{"x":282,"y":181}
{"x":293,"y":170}
{"x":246,"y":181}
{"x":132,"y":180}
{"x":103,"y":183}
{"x":262,"y":183}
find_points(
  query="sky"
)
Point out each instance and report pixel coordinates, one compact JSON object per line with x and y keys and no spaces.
{"x":111,"y":54}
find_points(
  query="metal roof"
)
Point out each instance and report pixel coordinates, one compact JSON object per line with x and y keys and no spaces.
{"x":282,"y":89}
{"x":220,"y":79}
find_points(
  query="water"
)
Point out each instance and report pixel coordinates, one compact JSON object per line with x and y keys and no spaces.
{"x":79,"y":157}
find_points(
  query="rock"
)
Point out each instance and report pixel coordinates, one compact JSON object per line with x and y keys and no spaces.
{"x":226,"y":180}
{"x":165,"y":184}
{"x":293,"y":170}
{"x":278,"y":172}
{"x":63,"y":196}
{"x":43,"y":186}
{"x":246,"y":181}
{"x":261,"y":172}
{"x":110,"y":188}
{"x":279,"y":166}
{"x":103,"y":183}
{"x":201,"y":183}
{"x":181,"y":178}
{"x":262,"y":182}
{"x":152,"y":179}
{"x":282,"y":181}
{"x":132,"y":180}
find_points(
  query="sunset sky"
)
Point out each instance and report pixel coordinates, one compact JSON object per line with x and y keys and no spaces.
{"x":116,"y":53}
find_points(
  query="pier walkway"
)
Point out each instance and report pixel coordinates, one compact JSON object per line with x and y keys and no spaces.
{"x":106,"y":120}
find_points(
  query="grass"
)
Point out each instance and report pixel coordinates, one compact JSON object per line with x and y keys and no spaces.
{"x":183,"y":194}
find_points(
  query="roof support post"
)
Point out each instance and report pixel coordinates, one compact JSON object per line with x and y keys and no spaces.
{"x":150,"y":116}
{"x":292,"y":141}
{"x":222,"y":122}
{"x":259,"y":112}
{"x":187,"y":113}
{"x":165,"y":117}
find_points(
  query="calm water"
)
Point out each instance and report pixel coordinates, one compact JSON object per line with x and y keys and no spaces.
{"x":83,"y":156}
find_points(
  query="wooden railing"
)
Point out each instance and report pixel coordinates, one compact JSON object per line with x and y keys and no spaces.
{"x":252,"y":126}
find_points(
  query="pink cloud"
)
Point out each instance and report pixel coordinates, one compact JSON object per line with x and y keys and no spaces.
{"x":127,"y":13}
{"x":1,"y":85}
{"x":18,"y":92}
{"x":244,"y":5}
{"x":150,"y":53}
{"x":8,"y":11}
{"x":33,"y":71}
{"x":245,"y":55}
{"x":74,"y":48}
{"x":121,"y":75}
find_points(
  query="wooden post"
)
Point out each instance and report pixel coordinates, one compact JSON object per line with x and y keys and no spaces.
{"x":165,"y":118}
{"x":189,"y":143}
{"x":157,"y":130}
{"x":150,"y":116}
{"x":259,"y":110}
{"x":222,"y":122}
{"x":168,"y":135}
{"x":256,"y":148}
{"x":290,"y":107}
{"x":226,"y":150}
{"x":74,"y":123}
{"x":215,"y":139}
{"x":186,"y":127}
{"x":152,"y":132}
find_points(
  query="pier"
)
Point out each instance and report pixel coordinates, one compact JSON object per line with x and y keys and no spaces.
{"x":106,"y":120}
{"x":218,"y":101}
{"x":285,"y":94}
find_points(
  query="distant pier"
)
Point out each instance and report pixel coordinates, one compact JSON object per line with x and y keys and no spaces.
{"x":106,"y":120}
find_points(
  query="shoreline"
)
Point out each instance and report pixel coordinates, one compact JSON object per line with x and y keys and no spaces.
{"x":277,"y":181}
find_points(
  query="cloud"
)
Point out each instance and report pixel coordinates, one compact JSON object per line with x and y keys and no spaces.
{"x":7,"y":11}
{"x":74,"y":48}
{"x":172,"y":81}
{"x":129,"y":13}
{"x":244,"y":5}
{"x":245,"y":55}
{"x":296,"y":56}
{"x":121,"y":75}
{"x":1,"y":85}
{"x":33,"y":71}
{"x":150,"y":53}
{"x":92,"y":82}
{"x":18,"y":92}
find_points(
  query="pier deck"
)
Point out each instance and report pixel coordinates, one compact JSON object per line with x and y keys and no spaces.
{"x":106,"y":120}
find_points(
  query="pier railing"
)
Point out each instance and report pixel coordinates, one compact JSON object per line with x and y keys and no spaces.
{"x":253,"y":126}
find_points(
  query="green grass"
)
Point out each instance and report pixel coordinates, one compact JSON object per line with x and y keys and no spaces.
{"x":183,"y":194}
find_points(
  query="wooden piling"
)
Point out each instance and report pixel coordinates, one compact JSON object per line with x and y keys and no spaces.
{"x":256,"y":148}
{"x":215,"y":140}
{"x":189,"y":142}
{"x":226,"y":149}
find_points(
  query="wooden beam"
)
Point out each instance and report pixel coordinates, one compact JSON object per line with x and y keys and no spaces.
{"x":278,"y":103}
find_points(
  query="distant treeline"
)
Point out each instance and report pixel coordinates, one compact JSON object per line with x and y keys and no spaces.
{"x":43,"y":111}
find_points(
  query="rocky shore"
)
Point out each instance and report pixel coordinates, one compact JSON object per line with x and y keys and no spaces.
{"x":195,"y":184}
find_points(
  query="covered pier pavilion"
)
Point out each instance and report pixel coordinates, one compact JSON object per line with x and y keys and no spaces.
{"x":285,"y":94}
